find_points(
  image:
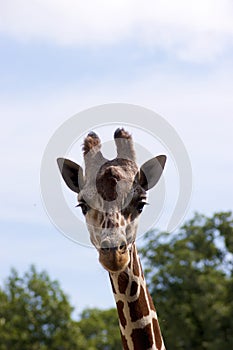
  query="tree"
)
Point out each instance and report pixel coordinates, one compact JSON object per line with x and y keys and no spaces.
{"x":100,"y":328}
{"x":190,"y":277}
{"x":35,"y":314}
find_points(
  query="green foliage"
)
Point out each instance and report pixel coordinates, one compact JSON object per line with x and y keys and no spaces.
{"x":100,"y":328}
{"x":35,"y":314}
{"x":190,"y":277}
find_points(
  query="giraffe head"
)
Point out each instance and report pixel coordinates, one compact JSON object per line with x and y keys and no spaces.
{"x":111,"y":194}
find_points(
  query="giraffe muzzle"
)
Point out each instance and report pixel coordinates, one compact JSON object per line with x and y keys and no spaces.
{"x":114,"y":258}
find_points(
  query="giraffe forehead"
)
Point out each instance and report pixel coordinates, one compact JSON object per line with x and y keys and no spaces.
{"x":121,"y":165}
{"x":115,"y":179}
{"x":119,"y":169}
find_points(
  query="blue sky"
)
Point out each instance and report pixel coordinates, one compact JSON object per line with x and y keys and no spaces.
{"x":58,"y":58}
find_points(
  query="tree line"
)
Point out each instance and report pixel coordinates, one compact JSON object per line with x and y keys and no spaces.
{"x":189,"y":274}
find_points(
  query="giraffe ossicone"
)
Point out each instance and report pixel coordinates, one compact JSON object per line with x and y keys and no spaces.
{"x":112,"y":194}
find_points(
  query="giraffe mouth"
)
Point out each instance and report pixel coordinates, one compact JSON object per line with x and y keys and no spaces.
{"x":114,"y":259}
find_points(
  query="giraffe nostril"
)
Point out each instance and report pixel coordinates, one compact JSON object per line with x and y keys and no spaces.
{"x":105,"y":246}
{"x":122,"y":247}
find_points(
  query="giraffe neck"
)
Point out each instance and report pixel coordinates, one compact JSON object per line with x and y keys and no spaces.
{"x":138,"y":320}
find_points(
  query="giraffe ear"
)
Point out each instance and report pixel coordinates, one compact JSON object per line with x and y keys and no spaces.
{"x":72,"y":174}
{"x":151,"y":171}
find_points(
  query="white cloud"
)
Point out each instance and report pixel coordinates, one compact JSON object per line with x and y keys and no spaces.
{"x":192,"y":30}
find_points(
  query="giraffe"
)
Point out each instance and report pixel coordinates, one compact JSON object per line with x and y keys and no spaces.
{"x":112,"y":194}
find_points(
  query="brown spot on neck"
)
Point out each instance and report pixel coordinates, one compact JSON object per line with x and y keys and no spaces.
{"x":120,"y":308}
{"x":112,"y":284}
{"x":133,"y":288}
{"x":151,"y":303}
{"x":139,"y":307}
{"x":124,"y":342}
{"x":136,"y":267}
{"x":123,"y":281}
{"x":157,"y":334}
{"x":142,"y":338}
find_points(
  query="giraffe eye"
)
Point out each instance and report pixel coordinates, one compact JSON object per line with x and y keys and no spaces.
{"x":140,"y":206}
{"x":84,"y":207}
